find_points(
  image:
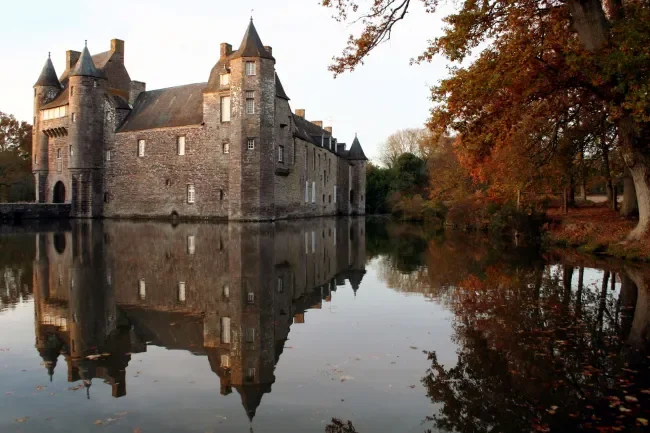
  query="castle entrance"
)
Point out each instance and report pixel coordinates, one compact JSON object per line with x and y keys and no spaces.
{"x":58,"y":195}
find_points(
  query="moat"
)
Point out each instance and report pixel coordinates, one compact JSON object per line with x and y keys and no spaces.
{"x":123,"y":326}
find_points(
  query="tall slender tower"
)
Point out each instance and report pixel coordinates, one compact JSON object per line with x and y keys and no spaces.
{"x":252,"y":89}
{"x":86,"y":86}
{"x":46,"y":88}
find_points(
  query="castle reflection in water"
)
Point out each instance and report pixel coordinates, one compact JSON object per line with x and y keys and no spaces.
{"x":230,"y":292}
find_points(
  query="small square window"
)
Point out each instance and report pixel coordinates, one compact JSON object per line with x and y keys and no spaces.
{"x":108,"y":155}
{"x":226,"y":147}
{"x":250,"y":297}
{"x":141,"y":144}
{"x":251,"y":143}
{"x":73,"y":117}
{"x":180,"y":144}
{"x":224,"y":80}
{"x":191,"y":197}
{"x":250,"y":68}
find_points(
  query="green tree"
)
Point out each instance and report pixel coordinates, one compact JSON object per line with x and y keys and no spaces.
{"x":378,"y":181}
{"x":16,"y":180}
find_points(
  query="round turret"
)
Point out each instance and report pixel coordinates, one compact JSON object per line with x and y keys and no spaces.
{"x":46,"y":88}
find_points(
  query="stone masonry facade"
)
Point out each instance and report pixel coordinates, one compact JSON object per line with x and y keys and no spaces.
{"x":230,"y":148}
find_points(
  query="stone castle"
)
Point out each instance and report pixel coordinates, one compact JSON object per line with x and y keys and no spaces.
{"x":230,"y":148}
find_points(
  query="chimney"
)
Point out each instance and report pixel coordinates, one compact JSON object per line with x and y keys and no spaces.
{"x":318,"y":123}
{"x":340,"y":148}
{"x":269,"y":49}
{"x":226,"y":50}
{"x":117,"y":46}
{"x":135,"y":88}
{"x":328,"y":129}
{"x":71,"y":58}
{"x":300,"y":112}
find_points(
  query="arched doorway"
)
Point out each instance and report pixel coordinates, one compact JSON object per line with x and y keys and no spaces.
{"x":351,"y":196}
{"x":58,"y":195}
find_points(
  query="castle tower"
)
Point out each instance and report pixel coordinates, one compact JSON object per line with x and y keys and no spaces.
{"x":46,"y":88}
{"x":86,"y":112}
{"x":252,"y":98}
{"x":357,"y":191}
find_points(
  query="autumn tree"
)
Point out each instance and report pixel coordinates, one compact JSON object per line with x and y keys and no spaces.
{"x":411,"y":140}
{"x":544,"y":66}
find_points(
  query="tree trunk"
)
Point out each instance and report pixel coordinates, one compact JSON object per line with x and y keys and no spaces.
{"x":640,"y":332}
{"x":609,"y":183}
{"x":636,"y":153}
{"x":590,"y":22}
{"x":565,"y":203}
{"x":581,"y":277}
{"x":641,"y":175}
{"x":630,"y":206}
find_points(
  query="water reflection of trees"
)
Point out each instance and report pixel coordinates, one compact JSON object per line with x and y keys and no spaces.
{"x":547,"y":345}
{"x":16,"y":254}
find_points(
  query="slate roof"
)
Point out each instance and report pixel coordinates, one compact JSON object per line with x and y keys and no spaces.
{"x":61,"y":99}
{"x":173,"y":106}
{"x":251,"y":45}
{"x":279,"y":90}
{"x":356,"y":152}
{"x":85,"y":66}
{"x":48,"y":75}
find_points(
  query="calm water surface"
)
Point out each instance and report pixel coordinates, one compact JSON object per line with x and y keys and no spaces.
{"x":148,"y":327}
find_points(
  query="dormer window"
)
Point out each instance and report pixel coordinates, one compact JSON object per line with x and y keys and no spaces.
{"x":224,"y":80}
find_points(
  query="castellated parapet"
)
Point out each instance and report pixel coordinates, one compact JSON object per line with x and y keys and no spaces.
{"x":230,"y":148}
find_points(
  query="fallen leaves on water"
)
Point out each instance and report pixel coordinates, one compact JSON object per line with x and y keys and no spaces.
{"x":22,"y":420}
{"x":411,"y":386}
{"x":40,"y":388}
{"x":624,"y":409}
{"x":631,"y":399}
{"x":642,"y":421}
{"x":413,"y":347}
{"x":137,"y":430}
{"x":74,"y":388}
{"x":98,"y":422}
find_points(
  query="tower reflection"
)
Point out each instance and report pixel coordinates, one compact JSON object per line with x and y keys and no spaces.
{"x":230,"y":292}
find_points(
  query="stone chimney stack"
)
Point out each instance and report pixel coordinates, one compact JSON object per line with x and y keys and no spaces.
{"x":300,"y":112}
{"x":318,"y":123}
{"x":71,"y":58}
{"x":328,"y":129}
{"x":269,"y":49}
{"x":117,"y":46}
{"x":135,"y":89}
{"x":226,"y":50}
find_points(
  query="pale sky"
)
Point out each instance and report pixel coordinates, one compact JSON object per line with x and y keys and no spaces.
{"x":170,"y":43}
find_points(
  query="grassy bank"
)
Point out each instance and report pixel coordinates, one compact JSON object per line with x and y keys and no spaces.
{"x":596,"y":230}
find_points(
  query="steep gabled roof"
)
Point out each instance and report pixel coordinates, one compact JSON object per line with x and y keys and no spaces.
{"x":279,"y":90}
{"x":174,"y":106}
{"x":356,"y":152}
{"x":48,"y":75}
{"x":85,"y":67}
{"x":251,"y":45}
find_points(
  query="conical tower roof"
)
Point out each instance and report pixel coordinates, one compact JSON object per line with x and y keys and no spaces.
{"x":251,"y":45}
{"x":85,"y":67}
{"x":356,"y":152}
{"x":48,"y":75}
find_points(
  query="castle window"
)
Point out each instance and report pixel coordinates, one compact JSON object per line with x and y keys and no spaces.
{"x":250,"y":297}
{"x":224,"y":80}
{"x":191,"y":197}
{"x":251,"y":143}
{"x":225,"y":361}
{"x":108,"y":155}
{"x":191,"y":244}
{"x":250,"y":102}
{"x":181,"y":291}
{"x":73,"y":117}
{"x":141,"y":148}
{"x":306,"y":158}
{"x":142,"y":289}
{"x":225,"y":108}
{"x":226,"y":291}
{"x":58,"y":154}
{"x":249,"y":335}
{"x":313,"y":192}
{"x":250,"y":68}
{"x":335,"y":193}
{"x":180,"y":142}
{"x":71,"y":90}
{"x":250,"y":374}
{"x":225,"y":330}
{"x":280,"y":153}
{"x":107,"y":197}
{"x":280,"y":285}
{"x":95,"y":83}
{"x":330,"y":198}
{"x":226,"y":147}
{"x":306,"y":191}
{"x":220,"y":196}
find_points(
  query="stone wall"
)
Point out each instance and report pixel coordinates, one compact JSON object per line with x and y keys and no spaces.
{"x":156,"y":184}
{"x":19,"y":211}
